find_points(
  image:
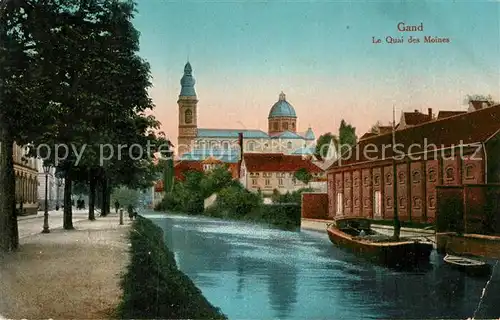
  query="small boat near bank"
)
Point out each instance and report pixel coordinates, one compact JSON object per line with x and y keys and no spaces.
{"x":356,"y":235}
{"x":470,"y":266}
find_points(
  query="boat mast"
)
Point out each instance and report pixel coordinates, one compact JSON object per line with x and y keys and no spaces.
{"x":397,"y":223}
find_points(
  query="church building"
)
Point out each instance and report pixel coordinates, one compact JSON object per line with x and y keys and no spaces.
{"x":195,"y":143}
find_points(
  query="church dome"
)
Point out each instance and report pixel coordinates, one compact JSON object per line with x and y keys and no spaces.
{"x":282,"y":109}
{"x":188,"y":82}
{"x":309,"y":134}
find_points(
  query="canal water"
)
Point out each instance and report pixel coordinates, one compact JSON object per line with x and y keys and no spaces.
{"x":252,"y":272}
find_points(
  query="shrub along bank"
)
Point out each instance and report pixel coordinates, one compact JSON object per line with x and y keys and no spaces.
{"x":233,"y":200}
{"x":154,"y":287}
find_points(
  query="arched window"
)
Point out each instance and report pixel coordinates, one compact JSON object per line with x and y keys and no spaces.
{"x":388,"y":179}
{"x":285,"y":126}
{"x":188,"y":116}
{"x":401,"y":177}
{"x":289,"y":145}
{"x":293,"y":125}
{"x":432,"y":175}
{"x":275,"y":126}
{"x":388,"y":202}
{"x":376,"y":180}
{"x":416,"y":177}
{"x":225,"y":145}
{"x":449,"y":173}
{"x":469,"y":171}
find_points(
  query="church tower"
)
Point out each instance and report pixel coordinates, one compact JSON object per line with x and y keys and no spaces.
{"x":187,"y":112}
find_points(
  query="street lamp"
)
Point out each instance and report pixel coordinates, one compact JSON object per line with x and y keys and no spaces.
{"x":46,"y":169}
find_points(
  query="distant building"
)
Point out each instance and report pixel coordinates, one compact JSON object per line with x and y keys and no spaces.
{"x":196,"y":143}
{"x":274,"y":171}
{"x":25,"y":170}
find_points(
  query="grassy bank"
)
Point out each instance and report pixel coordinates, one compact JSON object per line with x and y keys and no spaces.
{"x":154,"y":287}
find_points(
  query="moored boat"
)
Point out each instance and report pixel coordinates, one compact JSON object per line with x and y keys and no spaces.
{"x":356,"y":234}
{"x":470,"y":266}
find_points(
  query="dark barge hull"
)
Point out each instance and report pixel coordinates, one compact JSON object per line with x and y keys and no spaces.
{"x":401,"y":253}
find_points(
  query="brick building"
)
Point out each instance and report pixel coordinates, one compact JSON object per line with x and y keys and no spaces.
{"x":454,"y":149}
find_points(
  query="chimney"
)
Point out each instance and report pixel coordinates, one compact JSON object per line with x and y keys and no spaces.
{"x":429,"y":111}
{"x":240,"y":144}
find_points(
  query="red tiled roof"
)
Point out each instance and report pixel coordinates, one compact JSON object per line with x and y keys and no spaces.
{"x":470,"y":127}
{"x":416,"y":118}
{"x":188,"y":165}
{"x":447,"y":114}
{"x":277,"y":162}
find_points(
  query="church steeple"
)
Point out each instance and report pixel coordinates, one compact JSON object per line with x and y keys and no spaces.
{"x":188,"y":111}
{"x":188,"y":82}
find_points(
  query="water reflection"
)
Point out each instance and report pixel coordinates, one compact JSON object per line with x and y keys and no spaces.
{"x":254,"y":273}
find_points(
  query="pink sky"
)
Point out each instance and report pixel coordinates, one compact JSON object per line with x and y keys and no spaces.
{"x":322,"y":103}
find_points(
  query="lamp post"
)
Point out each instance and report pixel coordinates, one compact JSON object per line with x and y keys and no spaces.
{"x":46,"y":169}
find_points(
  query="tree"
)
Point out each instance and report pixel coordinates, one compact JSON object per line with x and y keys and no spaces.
{"x":480,"y":97}
{"x":323,"y":144}
{"x":303,"y":175}
{"x":25,"y":85}
{"x":376,"y":127}
{"x":347,"y":136}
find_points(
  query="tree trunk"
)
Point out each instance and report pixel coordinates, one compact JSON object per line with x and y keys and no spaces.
{"x":92,"y":196}
{"x":104,"y":197}
{"x":68,"y":212}
{"x":108,"y":197}
{"x":9,"y":237}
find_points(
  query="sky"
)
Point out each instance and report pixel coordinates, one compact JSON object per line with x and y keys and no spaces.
{"x":321,"y":55}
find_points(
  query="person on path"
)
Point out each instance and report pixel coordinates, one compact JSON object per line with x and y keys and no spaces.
{"x":117,"y":206}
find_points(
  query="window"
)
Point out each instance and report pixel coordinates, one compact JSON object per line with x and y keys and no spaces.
{"x":416,"y":177}
{"x":188,"y":116}
{"x":388,"y":202}
{"x":356,"y":181}
{"x":402,"y":202}
{"x":225,"y":145}
{"x":293,"y":125}
{"x":285,"y":126}
{"x":417,"y":202}
{"x":367,"y":202}
{"x":340,"y":200}
{"x":280,"y":181}
{"x":432,"y":175}
{"x":254,"y":182}
{"x":469,"y":171}
{"x":251,"y":146}
{"x":275,"y":126}
{"x":449,"y":173}
{"x":388,"y":179}
{"x":432,"y":202}
{"x":268,"y":182}
{"x":289,"y":145}
{"x":401,"y":177}
{"x":266,"y":145}
{"x":356,"y":202}
{"x":376,"y":180}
